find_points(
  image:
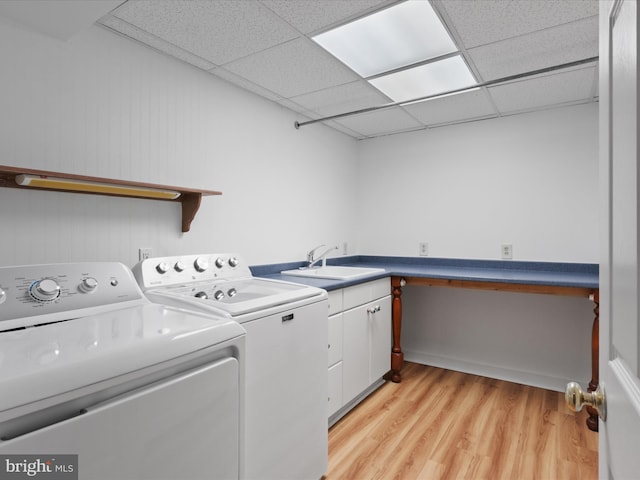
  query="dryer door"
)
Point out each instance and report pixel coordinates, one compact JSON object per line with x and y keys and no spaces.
{"x":186,"y":427}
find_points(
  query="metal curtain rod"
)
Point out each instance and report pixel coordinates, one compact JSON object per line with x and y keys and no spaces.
{"x":449,"y":92}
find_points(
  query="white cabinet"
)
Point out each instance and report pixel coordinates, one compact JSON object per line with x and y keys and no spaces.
{"x":366,"y":353}
{"x":359,"y":343}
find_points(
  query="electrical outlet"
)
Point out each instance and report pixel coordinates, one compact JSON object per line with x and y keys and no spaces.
{"x":144,"y":253}
{"x":507,"y":251}
{"x":423,"y":249}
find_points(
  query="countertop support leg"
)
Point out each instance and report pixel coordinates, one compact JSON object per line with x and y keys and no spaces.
{"x":397,"y":357}
{"x":592,"y":421}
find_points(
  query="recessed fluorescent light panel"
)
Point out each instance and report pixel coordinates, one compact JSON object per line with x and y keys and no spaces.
{"x":392,"y":40}
{"x":429,"y":79}
{"x":395,"y":37}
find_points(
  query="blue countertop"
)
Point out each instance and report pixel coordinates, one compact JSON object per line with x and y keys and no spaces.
{"x":505,"y":271}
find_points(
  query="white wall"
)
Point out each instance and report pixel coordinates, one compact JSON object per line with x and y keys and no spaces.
{"x":102,"y":105}
{"x":529,"y":180}
{"x":540,"y":340}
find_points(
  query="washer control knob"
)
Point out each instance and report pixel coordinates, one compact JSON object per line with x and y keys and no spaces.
{"x":219,"y":262}
{"x":162,"y":268}
{"x":202,"y":295}
{"x":233,"y":262}
{"x":45,"y":290}
{"x":219,"y":295}
{"x":201,"y":264}
{"x":179,"y":266}
{"x":3,"y":295}
{"x":88,"y":285}
{"x":232,"y":292}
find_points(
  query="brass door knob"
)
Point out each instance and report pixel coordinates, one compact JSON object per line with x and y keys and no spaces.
{"x":577,"y":398}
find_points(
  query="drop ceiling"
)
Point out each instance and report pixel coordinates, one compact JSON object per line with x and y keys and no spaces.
{"x":265,"y":46}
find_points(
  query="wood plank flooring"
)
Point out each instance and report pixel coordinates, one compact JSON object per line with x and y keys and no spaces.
{"x":441,"y":424}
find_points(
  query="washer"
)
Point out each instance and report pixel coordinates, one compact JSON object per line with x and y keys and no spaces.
{"x":286,"y":354}
{"x":90,"y":367}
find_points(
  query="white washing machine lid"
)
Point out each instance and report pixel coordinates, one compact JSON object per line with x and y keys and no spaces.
{"x":41,"y":362}
{"x":234,"y":297}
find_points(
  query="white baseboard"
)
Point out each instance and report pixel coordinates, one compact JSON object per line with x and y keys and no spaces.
{"x":501,"y":373}
{"x":354,"y":402}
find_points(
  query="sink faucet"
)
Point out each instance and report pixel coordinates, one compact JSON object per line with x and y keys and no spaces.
{"x":323,"y":256}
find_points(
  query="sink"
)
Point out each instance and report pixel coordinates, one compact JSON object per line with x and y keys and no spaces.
{"x":333,"y":272}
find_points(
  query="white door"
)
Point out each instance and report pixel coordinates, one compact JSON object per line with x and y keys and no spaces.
{"x":620,"y":273}
{"x":355,"y":354}
{"x":380,"y":331}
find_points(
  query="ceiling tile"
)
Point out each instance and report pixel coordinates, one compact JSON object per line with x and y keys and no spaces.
{"x":463,"y":106}
{"x":308,"y":16}
{"x":380,"y":122}
{"x":569,"y":86}
{"x":486,"y":21}
{"x":554,"y":46}
{"x":244,"y":83}
{"x":152,"y":41}
{"x":294,"y":107}
{"x":294,"y":68}
{"x":343,"y":129}
{"x":341,"y":99}
{"x":219,"y":31}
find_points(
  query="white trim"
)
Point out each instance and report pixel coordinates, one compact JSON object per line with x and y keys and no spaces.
{"x":491,"y":371}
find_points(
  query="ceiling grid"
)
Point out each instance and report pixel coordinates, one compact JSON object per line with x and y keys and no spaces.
{"x":266,"y":47}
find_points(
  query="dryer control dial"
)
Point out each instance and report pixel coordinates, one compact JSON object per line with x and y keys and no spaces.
{"x":44,"y":290}
{"x":219,"y":262}
{"x":233,"y":262}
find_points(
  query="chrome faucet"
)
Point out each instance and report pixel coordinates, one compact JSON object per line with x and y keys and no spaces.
{"x":323,"y":256}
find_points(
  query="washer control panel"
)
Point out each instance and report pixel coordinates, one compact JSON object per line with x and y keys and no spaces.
{"x":165,"y":271}
{"x":33,"y":290}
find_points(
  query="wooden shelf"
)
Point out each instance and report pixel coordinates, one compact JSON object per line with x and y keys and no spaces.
{"x":189,"y":198}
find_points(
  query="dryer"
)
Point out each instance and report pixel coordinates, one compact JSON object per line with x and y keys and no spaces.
{"x":286,"y":354}
{"x":96,"y":379}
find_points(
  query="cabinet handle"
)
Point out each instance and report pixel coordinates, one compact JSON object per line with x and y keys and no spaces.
{"x":373,"y":309}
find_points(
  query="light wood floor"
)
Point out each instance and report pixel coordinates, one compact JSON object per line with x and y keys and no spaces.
{"x":440,"y":424}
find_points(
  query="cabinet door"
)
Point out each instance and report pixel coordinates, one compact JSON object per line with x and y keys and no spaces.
{"x":355,"y":352}
{"x":380,"y":331}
